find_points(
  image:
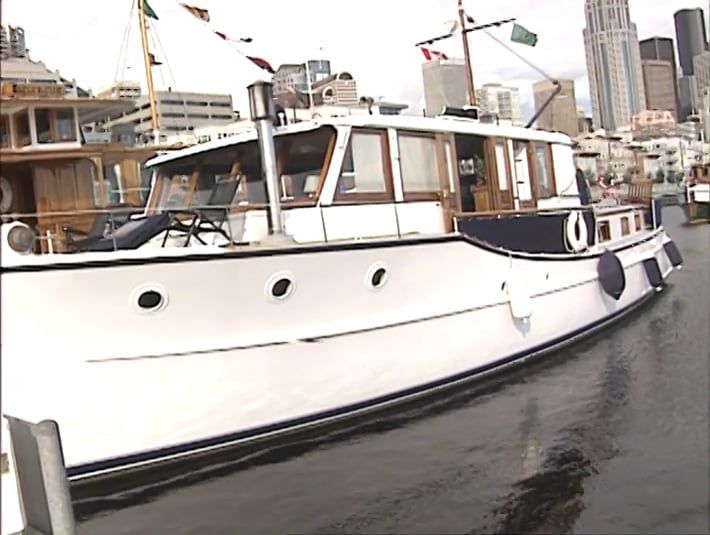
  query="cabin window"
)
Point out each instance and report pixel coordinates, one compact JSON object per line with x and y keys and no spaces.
{"x":4,"y":131}
{"x":473,"y":173}
{"x":364,"y":175}
{"x":604,"y":231}
{"x":175,"y":187}
{"x":54,"y":125}
{"x":625,"y":230}
{"x":64,"y":124}
{"x":213,"y":167}
{"x":639,"y":221}
{"x":303,"y":162}
{"x":44,"y":127}
{"x":544,"y":172}
{"x":501,"y":165}
{"x":21,"y":122}
{"x":418,"y":165}
{"x":112,"y":179}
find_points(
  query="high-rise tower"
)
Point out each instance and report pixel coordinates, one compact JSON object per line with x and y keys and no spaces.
{"x":613,"y":63}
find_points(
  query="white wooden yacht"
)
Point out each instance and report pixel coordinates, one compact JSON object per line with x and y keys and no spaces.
{"x":364,"y":261}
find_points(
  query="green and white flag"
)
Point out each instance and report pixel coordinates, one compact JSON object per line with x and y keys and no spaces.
{"x":148,"y":11}
{"x":521,"y":35}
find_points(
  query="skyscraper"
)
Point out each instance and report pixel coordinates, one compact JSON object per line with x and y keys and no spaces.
{"x":661,"y":48}
{"x":613,"y":63}
{"x":561,"y":113}
{"x":444,"y":84}
{"x":692,"y":40}
{"x":660,"y":85}
{"x":690,"y":36}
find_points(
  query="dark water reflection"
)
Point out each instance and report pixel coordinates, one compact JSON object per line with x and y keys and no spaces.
{"x":609,"y":436}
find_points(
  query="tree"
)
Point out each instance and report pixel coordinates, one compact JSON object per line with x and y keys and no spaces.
{"x":660,"y":175}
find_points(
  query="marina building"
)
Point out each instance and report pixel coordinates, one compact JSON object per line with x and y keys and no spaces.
{"x":178,"y":111}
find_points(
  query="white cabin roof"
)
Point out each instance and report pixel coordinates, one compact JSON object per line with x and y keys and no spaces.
{"x":405,"y":122}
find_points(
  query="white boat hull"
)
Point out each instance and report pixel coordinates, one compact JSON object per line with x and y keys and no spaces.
{"x":223,"y":363}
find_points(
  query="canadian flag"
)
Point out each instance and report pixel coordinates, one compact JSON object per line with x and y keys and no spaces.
{"x":433,"y":54}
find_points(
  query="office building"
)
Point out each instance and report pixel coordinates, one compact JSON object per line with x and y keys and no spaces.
{"x":561,"y":113}
{"x":690,"y":36}
{"x":613,"y":63}
{"x":444,"y":85}
{"x":500,"y":101}
{"x":659,"y":84}
{"x":662,"y":48}
{"x":178,"y":111}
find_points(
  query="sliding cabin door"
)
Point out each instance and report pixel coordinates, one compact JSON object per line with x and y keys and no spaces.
{"x":502,"y":186}
{"x":422,"y":165}
{"x":363,"y":204}
{"x":475,"y":173}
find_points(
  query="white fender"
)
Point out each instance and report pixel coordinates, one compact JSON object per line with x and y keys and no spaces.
{"x":576,"y":231}
{"x":518,"y":294}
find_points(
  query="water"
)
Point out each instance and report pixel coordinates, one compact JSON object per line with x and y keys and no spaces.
{"x":609,"y":436}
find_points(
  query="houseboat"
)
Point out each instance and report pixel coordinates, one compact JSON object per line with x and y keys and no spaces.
{"x":695,"y":199}
{"x":56,"y":174}
{"x":298,"y":274}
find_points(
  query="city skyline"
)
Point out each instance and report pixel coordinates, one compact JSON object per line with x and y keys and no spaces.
{"x":83,"y":42}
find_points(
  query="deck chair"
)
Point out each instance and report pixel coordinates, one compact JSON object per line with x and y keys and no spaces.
{"x":212,"y":216}
{"x":80,"y":240}
{"x":134,"y":233}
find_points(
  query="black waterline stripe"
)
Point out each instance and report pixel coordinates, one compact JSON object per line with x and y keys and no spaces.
{"x":155,"y":455}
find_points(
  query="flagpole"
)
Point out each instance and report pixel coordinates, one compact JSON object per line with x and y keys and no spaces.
{"x":148,"y":68}
{"x":466,"y":56}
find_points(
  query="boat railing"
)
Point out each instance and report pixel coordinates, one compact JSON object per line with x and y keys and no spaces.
{"x":186,"y":221}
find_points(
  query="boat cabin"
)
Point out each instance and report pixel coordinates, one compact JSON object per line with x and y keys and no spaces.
{"x":375,"y":176}
{"x":50,"y":177}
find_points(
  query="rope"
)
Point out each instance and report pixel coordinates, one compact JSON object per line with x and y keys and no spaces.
{"x":159,"y":47}
{"x":123,"y":51}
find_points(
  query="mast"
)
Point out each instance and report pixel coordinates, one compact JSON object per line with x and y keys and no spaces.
{"x":466,"y":57}
{"x":148,"y":68}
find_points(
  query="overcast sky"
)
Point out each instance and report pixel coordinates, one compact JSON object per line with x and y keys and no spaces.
{"x":372,"y":39}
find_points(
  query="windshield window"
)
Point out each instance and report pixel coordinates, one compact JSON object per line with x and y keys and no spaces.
{"x":302,"y":161}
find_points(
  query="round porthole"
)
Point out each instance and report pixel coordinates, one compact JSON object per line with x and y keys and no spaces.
{"x":149,"y":298}
{"x":377,"y":276}
{"x":280,"y":286}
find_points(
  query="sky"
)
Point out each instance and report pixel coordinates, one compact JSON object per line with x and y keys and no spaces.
{"x":372,"y":39}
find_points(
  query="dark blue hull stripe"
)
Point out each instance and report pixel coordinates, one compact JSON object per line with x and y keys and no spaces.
{"x":118,"y":463}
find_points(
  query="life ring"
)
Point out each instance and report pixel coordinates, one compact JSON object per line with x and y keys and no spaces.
{"x":5,"y":195}
{"x":576,"y":231}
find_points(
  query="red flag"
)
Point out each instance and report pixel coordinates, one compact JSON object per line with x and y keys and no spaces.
{"x":433,"y":54}
{"x":262,"y":63}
